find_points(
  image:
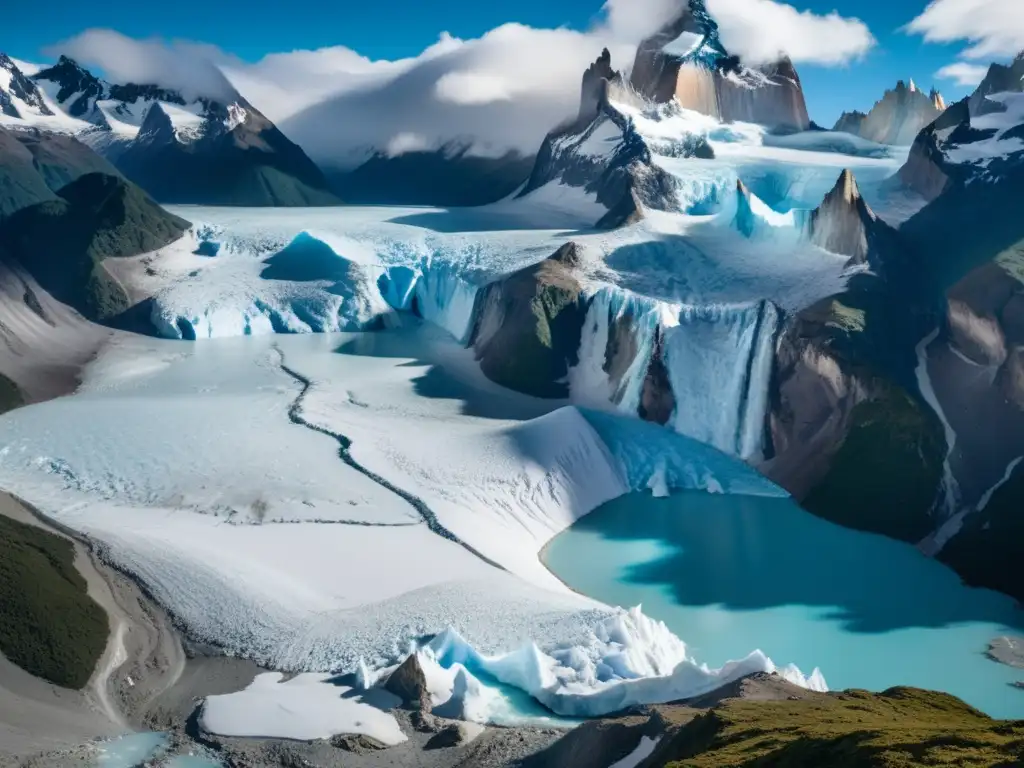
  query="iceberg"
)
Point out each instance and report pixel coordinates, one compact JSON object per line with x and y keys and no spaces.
{"x":626,"y":659}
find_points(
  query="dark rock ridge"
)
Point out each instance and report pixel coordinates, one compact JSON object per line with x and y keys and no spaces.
{"x":602,"y":152}
{"x":449,"y":176}
{"x":62,"y":243}
{"x":21,"y":88}
{"x":231,"y":155}
{"x":35,"y":164}
{"x":708,"y":80}
{"x":999,"y":79}
{"x":528,"y":325}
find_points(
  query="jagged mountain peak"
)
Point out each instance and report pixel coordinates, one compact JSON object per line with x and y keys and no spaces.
{"x":18,"y":93}
{"x":844,"y":223}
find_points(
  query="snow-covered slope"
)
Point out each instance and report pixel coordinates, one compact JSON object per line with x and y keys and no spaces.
{"x":276,"y":546}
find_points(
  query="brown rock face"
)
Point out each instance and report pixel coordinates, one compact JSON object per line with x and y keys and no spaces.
{"x":841,"y":223}
{"x":410,"y":684}
{"x":899,"y":116}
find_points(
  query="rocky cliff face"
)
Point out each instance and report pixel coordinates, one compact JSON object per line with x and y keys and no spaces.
{"x":850,"y":122}
{"x":999,"y":79}
{"x":704,"y":77}
{"x":845,"y":224}
{"x":900,"y":115}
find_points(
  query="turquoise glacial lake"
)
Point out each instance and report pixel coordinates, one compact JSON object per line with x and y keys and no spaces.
{"x":730,"y":573}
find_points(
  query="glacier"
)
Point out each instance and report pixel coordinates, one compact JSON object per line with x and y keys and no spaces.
{"x":179,"y":512}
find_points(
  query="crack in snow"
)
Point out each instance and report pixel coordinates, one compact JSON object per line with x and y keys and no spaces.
{"x":344,"y":453}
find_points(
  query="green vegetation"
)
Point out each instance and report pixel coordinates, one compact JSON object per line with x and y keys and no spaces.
{"x":51,"y":627}
{"x":10,"y":395}
{"x":901,"y":727}
{"x":886,"y":474}
{"x":64,"y":242}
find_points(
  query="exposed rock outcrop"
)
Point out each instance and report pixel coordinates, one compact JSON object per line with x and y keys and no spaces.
{"x":529,"y":325}
{"x":410,"y":684}
{"x":602,"y":152}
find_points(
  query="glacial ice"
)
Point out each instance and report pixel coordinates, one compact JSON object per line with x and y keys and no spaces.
{"x":308,"y":706}
{"x":626,"y":659}
{"x":722,"y":356}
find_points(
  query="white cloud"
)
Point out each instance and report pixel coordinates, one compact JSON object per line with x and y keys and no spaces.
{"x":504,"y":90}
{"x":994,"y":28}
{"x":471,"y":88}
{"x":406,"y":142}
{"x":963,"y":73}
{"x":189,"y":67}
{"x":760,"y":30}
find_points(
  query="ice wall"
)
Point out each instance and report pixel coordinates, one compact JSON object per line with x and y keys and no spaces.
{"x":719,"y":361}
{"x":437,"y":291}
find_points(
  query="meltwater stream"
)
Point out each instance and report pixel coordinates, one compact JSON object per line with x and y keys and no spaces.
{"x":728,"y":573}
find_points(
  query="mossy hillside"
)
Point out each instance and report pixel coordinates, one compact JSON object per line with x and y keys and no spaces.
{"x":899,"y":728}
{"x":885,"y":475}
{"x":51,"y":627}
{"x":64,"y":242}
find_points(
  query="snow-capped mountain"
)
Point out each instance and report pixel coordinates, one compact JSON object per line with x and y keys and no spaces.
{"x":897,"y":117}
{"x":19,"y":96}
{"x":686,"y":61}
{"x":605,"y":154}
{"x":199,"y":150}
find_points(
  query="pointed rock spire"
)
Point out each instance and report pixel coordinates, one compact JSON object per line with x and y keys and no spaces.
{"x":937,"y":101}
{"x":156,"y":125}
{"x":842,"y":223}
{"x":913,"y":86}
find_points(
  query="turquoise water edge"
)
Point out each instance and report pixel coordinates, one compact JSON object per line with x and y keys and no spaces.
{"x":731,"y":573}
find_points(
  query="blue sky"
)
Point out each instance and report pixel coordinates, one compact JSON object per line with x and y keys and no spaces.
{"x":400,"y":28}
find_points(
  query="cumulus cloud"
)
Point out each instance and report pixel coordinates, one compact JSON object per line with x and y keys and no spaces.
{"x":963,"y":73}
{"x":760,"y":30}
{"x":502,"y":91}
{"x":994,"y":28}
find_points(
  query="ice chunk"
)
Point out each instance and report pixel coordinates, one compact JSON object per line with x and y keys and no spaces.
{"x":306,"y":707}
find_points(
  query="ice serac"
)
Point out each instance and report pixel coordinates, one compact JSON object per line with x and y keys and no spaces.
{"x":719,"y":363}
{"x":702,"y":76}
{"x":603,"y":153}
{"x":528,"y":325}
